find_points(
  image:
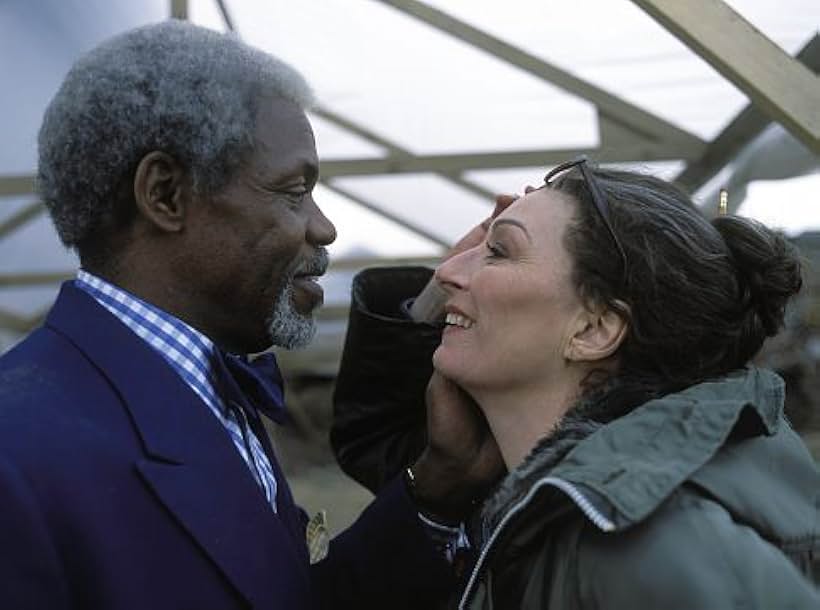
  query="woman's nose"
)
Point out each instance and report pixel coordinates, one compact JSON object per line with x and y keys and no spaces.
{"x":454,"y":272}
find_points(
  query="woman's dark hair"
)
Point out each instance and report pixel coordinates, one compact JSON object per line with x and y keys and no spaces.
{"x":701,"y":296}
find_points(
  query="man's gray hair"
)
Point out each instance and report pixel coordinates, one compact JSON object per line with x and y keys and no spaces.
{"x":174,"y":87}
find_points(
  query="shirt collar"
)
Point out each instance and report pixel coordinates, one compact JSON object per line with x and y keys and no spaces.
{"x":186,"y":349}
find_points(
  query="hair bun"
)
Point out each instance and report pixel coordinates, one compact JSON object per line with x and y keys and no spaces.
{"x":768,"y":267}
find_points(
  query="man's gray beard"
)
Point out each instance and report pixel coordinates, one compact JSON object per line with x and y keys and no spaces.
{"x":287,"y":327}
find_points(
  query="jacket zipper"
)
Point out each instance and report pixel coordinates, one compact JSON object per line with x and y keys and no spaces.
{"x":574,"y":494}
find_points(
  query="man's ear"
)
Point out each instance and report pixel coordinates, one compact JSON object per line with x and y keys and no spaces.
{"x":600,"y":332}
{"x":159,"y":191}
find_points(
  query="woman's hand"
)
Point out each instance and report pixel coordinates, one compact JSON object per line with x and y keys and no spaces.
{"x":477,"y":234}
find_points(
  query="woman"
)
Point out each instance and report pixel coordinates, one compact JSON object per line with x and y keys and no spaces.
{"x":604,"y":328}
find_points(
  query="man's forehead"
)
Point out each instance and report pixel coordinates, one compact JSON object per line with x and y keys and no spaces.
{"x":284,"y":139}
{"x":275,"y":109}
{"x":269,"y":164}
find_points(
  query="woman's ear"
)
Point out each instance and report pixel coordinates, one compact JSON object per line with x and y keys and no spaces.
{"x":159,"y":191}
{"x":601,"y":331}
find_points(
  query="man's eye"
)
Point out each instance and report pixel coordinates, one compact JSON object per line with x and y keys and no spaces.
{"x":295,"y":196}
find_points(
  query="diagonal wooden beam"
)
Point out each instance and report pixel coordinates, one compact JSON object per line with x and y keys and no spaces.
{"x":226,"y":15}
{"x":779,"y":85}
{"x":38,"y":318}
{"x":395,"y":151}
{"x":21,"y":324}
{"x":746,"y":126}
{"x":13,"y":322}
{"x":20,"y":218}
{"x":363,"y":132}
{"x":642,"y":123}
{"x":412,"y":227}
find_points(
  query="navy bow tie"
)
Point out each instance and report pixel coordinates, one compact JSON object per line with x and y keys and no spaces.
{"x":259,"y":382}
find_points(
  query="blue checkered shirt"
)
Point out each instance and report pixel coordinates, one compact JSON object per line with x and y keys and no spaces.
{"x":189,"y":353}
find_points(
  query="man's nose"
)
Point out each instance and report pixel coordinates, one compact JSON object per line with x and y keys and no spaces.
{"x":321,"y":231}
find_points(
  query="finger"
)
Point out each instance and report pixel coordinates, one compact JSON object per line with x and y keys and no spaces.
{"x":502,"y":202}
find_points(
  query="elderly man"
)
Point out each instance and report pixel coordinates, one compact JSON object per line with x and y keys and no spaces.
{"x":134,"y":468}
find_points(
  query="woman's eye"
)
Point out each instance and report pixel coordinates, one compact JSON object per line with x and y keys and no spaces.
{"x":495,"y":251}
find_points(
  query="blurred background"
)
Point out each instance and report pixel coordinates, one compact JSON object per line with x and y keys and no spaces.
{"x":427,"y":109}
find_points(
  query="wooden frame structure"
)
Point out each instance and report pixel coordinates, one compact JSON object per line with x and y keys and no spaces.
{"x":780,"y":88}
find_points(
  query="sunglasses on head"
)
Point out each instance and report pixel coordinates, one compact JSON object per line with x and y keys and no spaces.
{"x":599,"y":201}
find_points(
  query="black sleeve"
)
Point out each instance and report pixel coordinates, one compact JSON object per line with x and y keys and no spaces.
{"x":379,"y":408}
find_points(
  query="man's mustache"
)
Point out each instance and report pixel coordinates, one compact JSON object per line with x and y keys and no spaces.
{"x":315,"y":266}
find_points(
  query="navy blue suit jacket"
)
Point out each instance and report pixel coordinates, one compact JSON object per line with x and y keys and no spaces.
{"x":119,"y":489}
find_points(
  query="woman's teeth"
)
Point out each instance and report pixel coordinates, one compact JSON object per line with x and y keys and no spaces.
{"x":455,"y":319}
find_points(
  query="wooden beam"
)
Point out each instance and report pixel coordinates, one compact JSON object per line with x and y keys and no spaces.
{"x":356,"y":263}
{"x":780,"y":86}
{"x":14,"y":322}
{"x":8,"y":280}
{"x":11,"y":186}
{"x":394,"y":150}
{"x":14,"y":280}
{"x":747,"y":125}
{"x":20,"y":218}
{"x":475,"y":161}
{"x":370,"y":135}
{"x":642,"y":123}
{"x":179,"y":9}
{"x":363,"y":132}
{"x":17,"y":280}
{"x":226,"y":15}
{"x":21,"y":324}
{"x":413,"y":228}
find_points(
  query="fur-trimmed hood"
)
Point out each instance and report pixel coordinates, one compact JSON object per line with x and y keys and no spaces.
{"x":625,"y":469}
{"x":538,"y":464}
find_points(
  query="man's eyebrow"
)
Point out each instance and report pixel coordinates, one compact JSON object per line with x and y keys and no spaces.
{"x":307,"y":168}
{"x":515,"y":223}
{"x":302,"y":169}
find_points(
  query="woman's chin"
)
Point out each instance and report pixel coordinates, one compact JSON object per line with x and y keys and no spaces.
{"x":445,"y":364}
{"x":440,"y":360}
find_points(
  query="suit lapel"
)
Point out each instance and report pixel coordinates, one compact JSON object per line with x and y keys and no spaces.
{"x":190,"y":462}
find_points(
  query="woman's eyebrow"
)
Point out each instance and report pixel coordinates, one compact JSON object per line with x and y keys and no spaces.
{"x":515,"y":223}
